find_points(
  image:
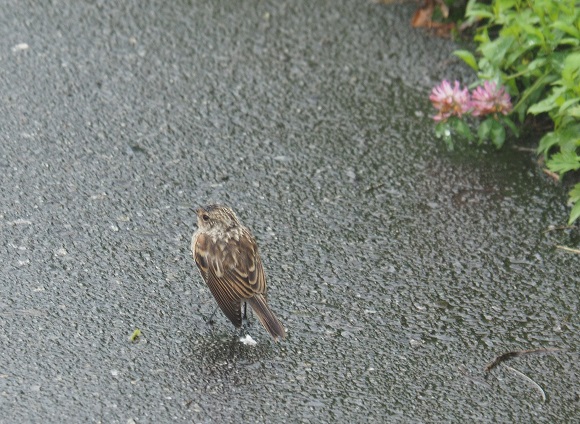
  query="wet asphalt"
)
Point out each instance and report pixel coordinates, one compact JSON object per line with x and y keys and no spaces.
{"x":398,"y":268}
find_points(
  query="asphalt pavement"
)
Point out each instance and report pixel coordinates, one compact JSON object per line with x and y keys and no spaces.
{"x":399,"y":269}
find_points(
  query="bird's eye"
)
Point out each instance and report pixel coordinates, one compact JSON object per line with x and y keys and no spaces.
{"x":205,"y":217}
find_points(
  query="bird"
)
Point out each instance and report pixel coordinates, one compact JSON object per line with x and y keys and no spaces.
{"x":226,"y":254}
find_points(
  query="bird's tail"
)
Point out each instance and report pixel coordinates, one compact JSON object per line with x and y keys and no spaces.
{"x":267,"y":317}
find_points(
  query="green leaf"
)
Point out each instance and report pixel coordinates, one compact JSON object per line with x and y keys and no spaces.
{"x":567,"y":28}
{"x":515,"y":54}
{"x":484,"y":130}
{"x":463,"y":129}
{"x":563,"y":162}
{"x":135,"y":336}
{"x":497,"y":134}
{"x":545,"y":105}
{"x":548,"y":141}
{"x":533,"y":35}
{"x":571,"y":72}
{"x":574,"y":200}
{"x":539,"y":84}
{"x":496,"y":50}
{"x":570,"y":41}
{"x":478,"y":11}
{"x":502,"y":6}
{"x":557,"y":60}
{"x":575,"y":194}
{"x":482,"y":36}
{"x":509,"y":123}
{"x":569,"y":137}
{"x":441,"y":129}
{"x":548,"y":103}
{"x":573,"y":112}
{"x":530,"y":68}
{"x":568,"y":104}
{"x":468,"y":58}
{"x":574,"y":213}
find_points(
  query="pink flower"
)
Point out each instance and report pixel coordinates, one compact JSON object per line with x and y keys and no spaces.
{"x":449,"y":101}
{"x":489,"y":99}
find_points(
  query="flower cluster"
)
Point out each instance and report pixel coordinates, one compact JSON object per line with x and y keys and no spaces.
{"x":490,"y":98}
{"x":455,"y":101}
{"x":449,"y":101}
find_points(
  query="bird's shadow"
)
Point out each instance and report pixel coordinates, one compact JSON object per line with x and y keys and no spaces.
{"x":221,"y":356}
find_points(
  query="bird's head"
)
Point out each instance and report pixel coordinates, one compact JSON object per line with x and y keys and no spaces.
{"x":217,"y":218}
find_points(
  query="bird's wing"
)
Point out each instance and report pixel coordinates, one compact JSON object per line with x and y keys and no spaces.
{"x":233,"y":273}
{"x":243,"y":268}
{"x":211,"y":268}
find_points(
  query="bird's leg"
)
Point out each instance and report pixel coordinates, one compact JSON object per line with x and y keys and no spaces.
{"x":245,"y":322}
{"x":234,"y":345}
{"x":210,"y":320}
{"x":240,"y":332}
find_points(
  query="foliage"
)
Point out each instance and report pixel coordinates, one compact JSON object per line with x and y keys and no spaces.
{"x":454,"y":102}
{"x":533,"y":48}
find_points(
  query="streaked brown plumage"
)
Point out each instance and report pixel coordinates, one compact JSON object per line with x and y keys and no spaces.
{"x":227,"y":257}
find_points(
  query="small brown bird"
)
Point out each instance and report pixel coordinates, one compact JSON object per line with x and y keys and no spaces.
{"x":227,"y":257}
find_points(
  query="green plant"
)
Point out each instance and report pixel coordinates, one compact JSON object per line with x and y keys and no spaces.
{"x":455,"y":103}
{"x":533,"y":48}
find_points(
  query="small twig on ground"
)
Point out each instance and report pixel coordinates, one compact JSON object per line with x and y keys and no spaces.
{"x":529,"y":380}
{"x":510,"y":355}
{"x":568,"y":249}
{"x":374,"y":187}
{"x":555,"y":177}
{"x":463,"y":370}
{"x":558,"y":228}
